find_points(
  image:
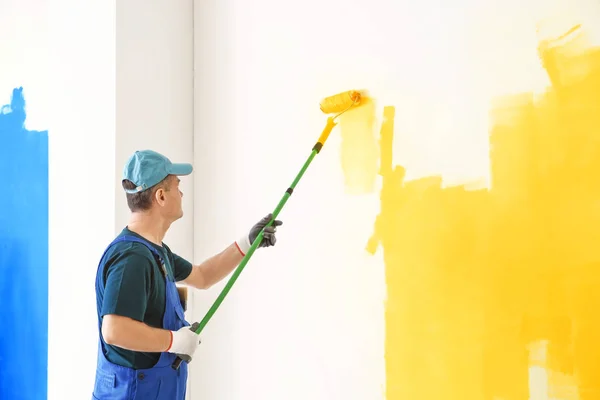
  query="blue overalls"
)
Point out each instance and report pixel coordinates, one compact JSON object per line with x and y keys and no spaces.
{"x":160,"y":382}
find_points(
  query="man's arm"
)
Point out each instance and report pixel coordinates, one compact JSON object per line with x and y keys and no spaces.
{"x":134,"y":335}
{"x":217,"y":267}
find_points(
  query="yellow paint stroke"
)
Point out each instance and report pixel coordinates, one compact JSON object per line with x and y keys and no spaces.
{"x":495,"y":293}
{"x":359,"y":151}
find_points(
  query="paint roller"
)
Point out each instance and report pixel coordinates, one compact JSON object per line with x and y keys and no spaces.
{"x":338,"y":105}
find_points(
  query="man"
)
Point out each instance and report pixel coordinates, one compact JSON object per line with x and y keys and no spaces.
{"x":140,"y":316}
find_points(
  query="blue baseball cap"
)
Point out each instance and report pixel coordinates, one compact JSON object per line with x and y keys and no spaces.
{"x":146,"y":168}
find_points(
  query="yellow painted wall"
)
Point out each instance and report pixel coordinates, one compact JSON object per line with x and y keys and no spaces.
{"x":475,"y":276}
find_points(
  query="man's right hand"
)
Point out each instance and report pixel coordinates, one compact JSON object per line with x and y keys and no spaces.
{"x":184,"y":341}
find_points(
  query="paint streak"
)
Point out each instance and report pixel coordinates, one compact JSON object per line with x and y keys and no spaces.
{"x":23,"y":255}
{"x":493,"y":293}
{"x":359,"y":150}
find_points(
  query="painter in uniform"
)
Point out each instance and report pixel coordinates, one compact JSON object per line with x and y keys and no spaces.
{"x":141,"y":320}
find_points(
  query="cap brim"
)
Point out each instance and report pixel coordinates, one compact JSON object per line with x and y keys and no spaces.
{"x":181,"y":169}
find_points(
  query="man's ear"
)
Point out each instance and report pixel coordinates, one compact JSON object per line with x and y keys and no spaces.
{"x":159,"y":195}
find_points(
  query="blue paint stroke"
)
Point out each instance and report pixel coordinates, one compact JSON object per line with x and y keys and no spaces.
{"x":23,"y":255}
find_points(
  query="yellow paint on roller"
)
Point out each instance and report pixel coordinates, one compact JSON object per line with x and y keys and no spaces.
{"x":475,"y":277}
{"x":342,"y":102}
{"x":359,"y":149}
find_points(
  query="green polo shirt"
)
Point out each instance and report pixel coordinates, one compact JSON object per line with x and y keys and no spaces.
{"x":131,"y":284}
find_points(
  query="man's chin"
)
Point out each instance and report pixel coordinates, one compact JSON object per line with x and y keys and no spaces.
{"x":177,"y":217}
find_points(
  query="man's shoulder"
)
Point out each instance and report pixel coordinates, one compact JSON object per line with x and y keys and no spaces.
{"x":135,"y":249}
{"x":126,"y":251}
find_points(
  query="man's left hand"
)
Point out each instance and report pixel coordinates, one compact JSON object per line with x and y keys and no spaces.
{"x":268,"y":239}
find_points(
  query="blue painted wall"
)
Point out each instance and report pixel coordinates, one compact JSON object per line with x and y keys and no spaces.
{"x":23,"y":255}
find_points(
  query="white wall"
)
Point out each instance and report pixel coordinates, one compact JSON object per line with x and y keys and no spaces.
{"x":154,"y":95}
{"x":77,"y":97}
{"x":305,"y":319}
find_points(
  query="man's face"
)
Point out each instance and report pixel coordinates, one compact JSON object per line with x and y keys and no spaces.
{"x":170,"y":199}
{"x":176,"y":194}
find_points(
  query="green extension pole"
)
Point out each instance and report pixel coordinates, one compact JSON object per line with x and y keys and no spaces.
{"x":198,"y":327}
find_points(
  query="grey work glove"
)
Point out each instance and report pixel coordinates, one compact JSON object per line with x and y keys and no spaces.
{"x":268,"y":239}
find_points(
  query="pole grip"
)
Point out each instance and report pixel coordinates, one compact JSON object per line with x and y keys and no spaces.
{"x":325,"y":134}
